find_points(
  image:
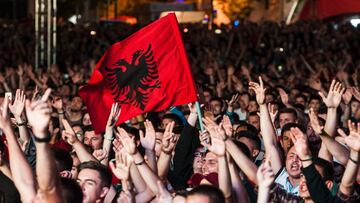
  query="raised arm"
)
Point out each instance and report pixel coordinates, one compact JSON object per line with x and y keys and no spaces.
{"x":147,"y":174}
{"x":218,"y":147}
{"x":17,"y":109}
{"x":267,"y":129}
{"x":38,"y":115}
{"x":193,"y":115}
{"x":148,"y":142}
{"x":69,"y":136}
{"x":168,"y":146}
{"x":332,"y":102}
{"x":347,"y":185}
{"x":237,"y":186}
{"x":109,"y":131}
{"x":265,"y":178}
{"x":24,"y":180}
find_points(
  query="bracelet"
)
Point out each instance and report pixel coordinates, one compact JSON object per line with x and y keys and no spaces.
{"x":61,"y":113}
{"x":308,"y":159}
{"x":140,"y":163}
{"x":42,"y":140}
{"x":168,"y":153}
{"x":324,"y":133}
{"x":109,"y":138}
{"x":21,"y":124}
{"x":352,"y":160}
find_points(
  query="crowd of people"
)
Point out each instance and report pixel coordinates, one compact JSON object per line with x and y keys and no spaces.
{"x":280,"y":107}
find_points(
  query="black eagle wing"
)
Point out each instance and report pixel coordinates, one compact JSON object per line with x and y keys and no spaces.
{"x":117,"y":82}
{"x":147,"y":64}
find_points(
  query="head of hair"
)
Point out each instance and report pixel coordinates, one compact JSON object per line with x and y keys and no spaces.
{"x":254,"y":113}
{"x":243,"y":148}
{"x":63,"y":159}
{"x":213,"y":193}
{"x":105,"y":174}
{"x":327,"y":168}
{"x":173,"y":117}
{"x":288,"y":126}
{"x":70,"y":191}
{"x":255,"y":140}
{"x":217,"y":99}
{"x":88,"y":128}
{"x":288,"y":110}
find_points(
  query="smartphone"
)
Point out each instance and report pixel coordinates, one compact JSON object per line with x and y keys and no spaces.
{"x":8,"y":94}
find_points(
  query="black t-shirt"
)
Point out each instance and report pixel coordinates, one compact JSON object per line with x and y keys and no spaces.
{"x":8,"y":191}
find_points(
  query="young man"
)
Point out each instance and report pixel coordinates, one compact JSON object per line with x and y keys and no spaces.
{"x":94,"y":180}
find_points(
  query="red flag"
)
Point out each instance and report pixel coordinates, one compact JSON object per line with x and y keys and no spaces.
{"x":148,"y":71}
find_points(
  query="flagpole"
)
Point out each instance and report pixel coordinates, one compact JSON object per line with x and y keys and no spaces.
{"x":198,"y":110}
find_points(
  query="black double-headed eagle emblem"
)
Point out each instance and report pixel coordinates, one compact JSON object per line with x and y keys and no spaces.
{"x":131,"y":83}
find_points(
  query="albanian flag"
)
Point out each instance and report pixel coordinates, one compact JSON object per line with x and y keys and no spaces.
{"x":148,"y":71}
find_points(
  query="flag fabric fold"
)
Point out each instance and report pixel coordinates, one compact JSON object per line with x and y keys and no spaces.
{"x":148,"y":71}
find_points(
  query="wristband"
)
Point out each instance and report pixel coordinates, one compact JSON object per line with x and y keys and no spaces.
{"x":308,"y":159}
{"x":109,"y":138}
{"x":168,"y":153}
{"x":324,"y":133}
{"x":21,"y":124}
{"x":352,"y":160}
{"x":42,"y":140}
{"x":140,"y":163}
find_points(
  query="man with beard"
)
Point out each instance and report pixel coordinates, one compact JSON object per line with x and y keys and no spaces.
{"x":74,"y":113}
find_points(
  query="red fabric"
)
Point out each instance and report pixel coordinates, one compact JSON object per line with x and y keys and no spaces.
{"x":176,"y":83}
{"x":325,"y":8}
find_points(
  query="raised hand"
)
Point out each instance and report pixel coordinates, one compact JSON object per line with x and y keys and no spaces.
{"x":18,"y":106}
{"x":284,"y":96}
{"x":233,"y":100}
{"x":314,"y":121}
{"x":273,"y":113}
{"x":4,"y":114}
{"x":214,"y":129}
{"x":38,"y":114}
{"x":149,"y":140}
{"x":57,"y":103}
{"x":169,"y":138}
{"x":356,"y":93}
{"x":226,"y":124}
{"x":333,"y":98}
{"x":100,"y":154}
{"x":259,"y":90}
{"x":114,"y":115}
{"x":347,"y":95}
{"x":217,"y":146}
{"x":353,"y":139}
{"x":265,"y":175}
{"x":68,"y":133}
{"x":121,"y":167}
{"x":300,"y":143}
{"x":127,"y":141}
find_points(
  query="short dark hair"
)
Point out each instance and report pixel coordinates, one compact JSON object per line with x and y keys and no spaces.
{"x":253,"y":113}
{"x":88,"y":128}
{"x":71,"y":191}
{"x":288,"y":126}
{"x":243,"y":148}
{"x":217,"y":99}
{"x":213,"y":193}
{"x":328,"y":169}
{"x":250,"y":135}
{"x":173,"y":117}
{"x":104,"y":172}
{"x":63,"y":159}
{"x":288,"y":110}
